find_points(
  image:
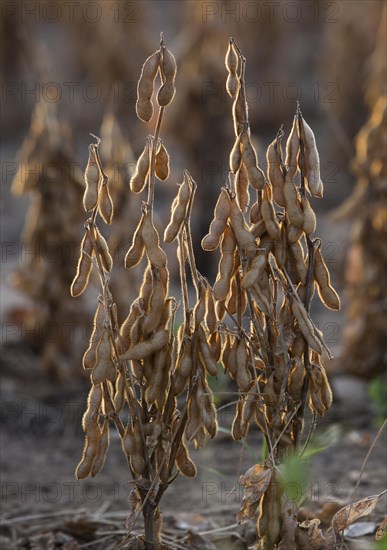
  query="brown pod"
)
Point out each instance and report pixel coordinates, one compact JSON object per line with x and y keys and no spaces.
{"x":103,"y":448}
{"x":89,"y":452}
{"x":105,"y":204}
{"x":136,"y":250}
{"x":275,"y":174}
{"x":103,"y":249}
{"x":312,"y":162}
{"x":89,"y":357}
{"x":119,"y":395}
{"x":253,"y":272}
{"x":178,"y":210}
{"x":184,"y":462}
{"x":205,"y":353}
{"x":231,"y":60}
{"x":242,"y":189}
{"x":84,"y":267}
{"x":292,"y":150}
{"x":168,"y":69}
{"x":92,"y":178}
{"x":151,"y":241}
{"x":309,"y":225}
{"x":162,"y":163}
{"x":139,"y":177}
{"x":127,"y":325}
{"x":242,"y":358}
{"x":326,"y":292}
{"x":236,"y":429}
{"x":219,"y":223}
{"x":306,"y":327}
{"x":255,"y":175}
{"x":268,"y":215}
{"x":143,"y":349}
{"x":236,"y":155}
{"x":226,"y":265}
{"x":145,"y":87}
{"x":156,"y":305}
{"x":244,"y":238}
{"x":296,"y":378}
{"x":104,"y":368}
{"x":293,"y":208}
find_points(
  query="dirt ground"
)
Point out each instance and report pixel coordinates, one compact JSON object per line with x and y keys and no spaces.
{"x":44,"y":506}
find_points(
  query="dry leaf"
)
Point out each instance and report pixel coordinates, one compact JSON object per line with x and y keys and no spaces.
{"x":255,"y":481}
{"x":381,"y":533}
{"x":349,"y":514}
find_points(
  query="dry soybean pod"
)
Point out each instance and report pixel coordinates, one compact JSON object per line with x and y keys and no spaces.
{"x":162,"y":163}
{"x":144,"y":349}
{"x":168,"y":70}
{"x":84,"y":267}
{"x":244,"y":238}
{"x":312,"y":161}
{"x":178,"y":210}
{"x":255,"y":266}
{"x":104,"y":368}
{"x":236,"y":155}
{"x":156,"y":305}
{"x":184,"y":462}
{"x":218,"y":224}
{"x":326,"y":292}
{"x":309,"y":224}
{"x":150,"y":236}
{"x":139,"y":177}
{"x":293,"y":209}
{"x":145,"y":87}
{"x":226,"y":265}
{"x":255,"y":175}
{"x":292,"y":150}
{"x":232,"y":61}
{"x":105,"y":203}
{"x":242,"y":188}
{"x":268,"y":215}
{"x":89,"y":357}
{"x":274,"y":172}
{"x":103,"y":448}
{"x":136,"y":250}
{"x":103,"y":249}
{"x":92,"y":178}
{"x":306,"y":327}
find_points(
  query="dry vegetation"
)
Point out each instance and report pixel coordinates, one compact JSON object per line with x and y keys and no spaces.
{"x":151,"y":381}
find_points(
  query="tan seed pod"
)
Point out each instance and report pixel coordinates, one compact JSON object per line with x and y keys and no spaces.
{"x":200,"y":307}
{"x":210,"y":316}
{"x":235,"y":159}
{"x":105,"y":204}
{"x":127,"y":325}
{"x":215,"y":344}
{"x":194,"y":419}
{"x":183,"y":367}
{"x":84,"y":267}
{"x":239,"y":108}
{"x":315,"y":402}
{"x":144,"y":349}
{"x":220,"y":310}
{"x":145,"y":87}
{"x":231,"y":60}
{"x":255,"y":175}
{"x":205,"y":352}
{"x":249,"y":408}
{"x":89,"y":452}
{"x":296,"y":378}
{"x":255,"y":213}
{"x":168,"y":69}
{"x":178,"y":210}
{"x":293,"y":208}
{"x":236,"y":429}
{"x":103,"y":249}
{"x":119,"y":396}
{"x":232,"y":85}
{"x":136,"y":250}
{"x":89,"y":357}
{"x":242,"y":376}
{"x":306,"y":327}
{"x":162,"y":163}
{"x":184,"y":462}
{"x":268,"y":215}
{"x":312,"y":162}
{"x":309,"y":224}
{"x":139,"y":177}
{"x":150,"y":236}
{"x":92,"y":178}
{"x":242,"y":189}
{"x":104,"y":368}
{"x":292,"y":150}
{"x":293,"y":233}
{"x":226,"y":265}
{"x":326,"y":292}
{"x":103,"y":448}
{"x":296,"y":255}
{"x":128,"y":441}
{"x":253,"y":272}
{"x":275,"y":174}
{"x":219,"y":223}
{"x":244,"y":238}
{"x":280,"y":247}
{"x":156,"y":305}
